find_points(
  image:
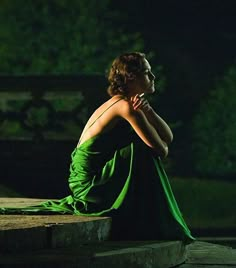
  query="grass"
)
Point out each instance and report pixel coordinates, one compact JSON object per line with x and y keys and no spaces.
{"x":206,"y":203}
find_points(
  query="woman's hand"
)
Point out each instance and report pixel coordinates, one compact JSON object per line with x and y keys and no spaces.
{"x":140,"y":103}
{"x":161,"y":127}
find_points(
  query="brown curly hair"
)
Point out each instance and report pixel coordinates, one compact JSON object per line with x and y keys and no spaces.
{"x":124,"y":68}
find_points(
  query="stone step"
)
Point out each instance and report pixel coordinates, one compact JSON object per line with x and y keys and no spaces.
{"x":204,"y":254}
{"x":74,"y":241}
{"x":24,"y":232}
{"x":138,"y":254}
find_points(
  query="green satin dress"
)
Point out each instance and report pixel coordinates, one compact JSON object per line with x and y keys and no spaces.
{"x":115,"y":174}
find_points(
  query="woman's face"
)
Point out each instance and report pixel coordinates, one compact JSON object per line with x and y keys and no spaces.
{"x":144,"y":82}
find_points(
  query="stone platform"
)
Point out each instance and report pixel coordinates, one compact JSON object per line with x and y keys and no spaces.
{"x":136,"y":254}
{"x":75,"y":241}
{"x":208,"y":255}
{"x":24,"y":232}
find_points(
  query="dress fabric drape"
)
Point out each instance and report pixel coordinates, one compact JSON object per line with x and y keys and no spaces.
{"x":115,"y":174}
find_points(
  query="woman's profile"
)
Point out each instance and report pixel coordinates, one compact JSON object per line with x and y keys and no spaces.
{"x":116,"y":168}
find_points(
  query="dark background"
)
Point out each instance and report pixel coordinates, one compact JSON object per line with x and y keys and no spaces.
{"x":194,"y":40}
{"x":48,"y":45}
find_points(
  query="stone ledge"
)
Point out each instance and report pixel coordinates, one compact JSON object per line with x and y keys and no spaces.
{"x":201,"y":253}
{"x":30,"y":232}
{"x":19,"y":233}
{"x":104,"y":254}
{"x":75,"y":241}
{"x":156,"y":254}
{"x":18,"y":202}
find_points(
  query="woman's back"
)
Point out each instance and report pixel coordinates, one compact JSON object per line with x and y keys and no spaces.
{"x":104,"y":118}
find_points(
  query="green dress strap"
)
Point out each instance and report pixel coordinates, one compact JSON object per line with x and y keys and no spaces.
{"x":99,"y":117}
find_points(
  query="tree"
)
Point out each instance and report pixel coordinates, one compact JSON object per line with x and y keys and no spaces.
{"x":61,"y":37}
{"x":214,"y":129}
{"x":57,"y":36}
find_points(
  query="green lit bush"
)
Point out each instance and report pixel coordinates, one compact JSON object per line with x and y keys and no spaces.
{"x":61,"y":37}
{"x":214,"y":130}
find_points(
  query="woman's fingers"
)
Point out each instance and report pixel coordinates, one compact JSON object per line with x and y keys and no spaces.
{"x":139,"y":102}
{"x":136,"y":102}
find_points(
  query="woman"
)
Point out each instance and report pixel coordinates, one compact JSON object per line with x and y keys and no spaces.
{"x":116,"y":167}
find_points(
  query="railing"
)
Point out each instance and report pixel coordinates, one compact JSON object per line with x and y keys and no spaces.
{"x":53,"y":107}
{"x":41,"y":118}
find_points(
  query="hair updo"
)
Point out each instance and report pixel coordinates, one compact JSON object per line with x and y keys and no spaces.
{"x":124,"y":68}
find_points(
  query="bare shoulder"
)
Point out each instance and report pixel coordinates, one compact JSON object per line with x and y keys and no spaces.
{"x":126,"y":110}
{"x":125,"y":107}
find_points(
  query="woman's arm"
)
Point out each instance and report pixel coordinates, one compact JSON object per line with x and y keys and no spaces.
{"x":143,"y":128}
{"x":154,"y":119}
{"x":160,"y":125}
